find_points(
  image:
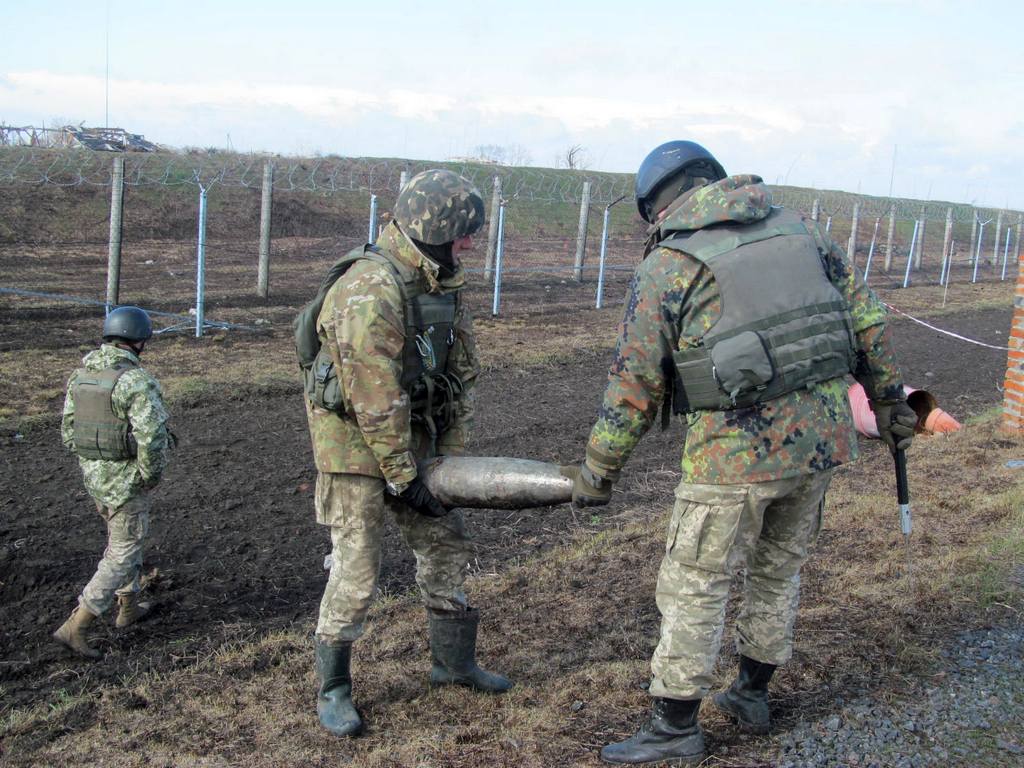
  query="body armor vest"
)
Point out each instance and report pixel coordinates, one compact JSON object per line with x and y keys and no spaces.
{"x":783,"y":327}
{"x":429,"y":336}
{"x":99,"y":433}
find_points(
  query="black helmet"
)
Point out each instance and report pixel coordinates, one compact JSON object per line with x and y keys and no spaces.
{"x":665,"y":163}
{"x":128,"y":323}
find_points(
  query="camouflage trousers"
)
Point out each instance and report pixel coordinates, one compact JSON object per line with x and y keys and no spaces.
{"x":354,"y":506}
{"x":714,"y":531}
{"x":118,"y":572}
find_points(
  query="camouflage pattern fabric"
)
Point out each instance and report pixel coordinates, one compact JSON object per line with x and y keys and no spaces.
{"x":361,"y":325}
{"x":138,"y":399}
{"x":118,"y":572}
{"x":354,"y":506}
{"x":714,"y":531}
{"x":438,"y":207}
{"x":673,"y":300}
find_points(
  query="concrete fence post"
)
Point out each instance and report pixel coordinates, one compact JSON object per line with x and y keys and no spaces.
{"x":974,"y":232}
{"x":889,"y":238}
{"x":403,"y":179}
{"x":581,"y":235}
{"x":851,"y":244}
{"x":371,"y":236}
{"x":1013,"y":386}
{"x":995,"y":242}
{"x":266,"y":205}
{"x":498,"y":254}
{"x":492,"y":232}
{"x":816,"y":210}
{"x":920,"y":240}
{"x":947,"y":240}
{"x":116,"y":218}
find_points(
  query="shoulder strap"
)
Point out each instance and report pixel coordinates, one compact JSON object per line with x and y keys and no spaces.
{"x":706,"y":244}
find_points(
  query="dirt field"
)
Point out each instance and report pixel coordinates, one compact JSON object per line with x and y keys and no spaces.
{"x":235,"y":554}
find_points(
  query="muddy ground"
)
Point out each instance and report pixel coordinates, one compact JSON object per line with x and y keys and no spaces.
{"x":234,"y":548}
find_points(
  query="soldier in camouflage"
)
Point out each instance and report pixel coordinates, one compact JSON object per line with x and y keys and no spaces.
{"x":115,"y":422}
{"x":397,"y":349}
{"x":760,"y":380}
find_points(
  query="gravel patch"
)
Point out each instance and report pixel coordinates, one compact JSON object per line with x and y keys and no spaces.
{"x":972,"y":713}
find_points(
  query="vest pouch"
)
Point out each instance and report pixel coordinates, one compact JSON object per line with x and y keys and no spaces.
{"x":695,"y":386}
{"x":741,"y":364}
{"x":322,"y":386}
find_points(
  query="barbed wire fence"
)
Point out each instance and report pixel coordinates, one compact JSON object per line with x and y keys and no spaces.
{"x":238,"y":230}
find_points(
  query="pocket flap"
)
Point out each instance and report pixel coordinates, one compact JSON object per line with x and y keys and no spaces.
{"x":741,"y":364}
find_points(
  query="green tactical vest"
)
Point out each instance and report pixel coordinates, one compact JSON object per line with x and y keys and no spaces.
{"x":783,"y":327}
{"x":99,"y":433}
{"x":429,"y":336}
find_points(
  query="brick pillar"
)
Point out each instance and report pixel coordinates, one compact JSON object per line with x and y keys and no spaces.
{"x":1013,"y":397}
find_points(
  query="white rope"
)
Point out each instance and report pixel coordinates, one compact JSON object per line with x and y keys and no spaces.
{"x":941,"y":330}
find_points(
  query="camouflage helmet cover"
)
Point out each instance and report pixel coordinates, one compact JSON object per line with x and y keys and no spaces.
{"x":438,"y":207}
{"x":128,"y":323}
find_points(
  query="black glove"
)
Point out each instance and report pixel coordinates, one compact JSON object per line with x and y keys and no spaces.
{"x":588,"y":488}
{"x":418,"y":497}
{"x":896,"y":422}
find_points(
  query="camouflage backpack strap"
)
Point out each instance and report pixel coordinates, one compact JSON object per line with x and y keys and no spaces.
{"x":99,"y":433}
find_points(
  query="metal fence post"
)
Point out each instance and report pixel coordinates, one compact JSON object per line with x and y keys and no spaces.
{"x":604,"y":252}
{"x":871,"y":250}
{"x":116,"y":217}
{"x":266,"y":203}
{"x":828,"y":224}
{"x":977,"y":252}
{"x":498,"y":253}
{"x":403,"y":179}
{"x":492,"y":232}
{"x":889,"y":237}
{"x":201,"y":264}
{"x":372,"y":236}
{"x":581,"y":235}
{"x":851,"y":244}
{"x":910,"y":255}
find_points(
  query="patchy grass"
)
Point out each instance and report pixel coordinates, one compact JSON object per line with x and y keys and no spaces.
{"x":575,"y":627}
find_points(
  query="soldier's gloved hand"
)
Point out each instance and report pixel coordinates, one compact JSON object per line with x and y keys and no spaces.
{"x":588,"y":488}
{"x":896,"y":422}
{"x":417,"y":496}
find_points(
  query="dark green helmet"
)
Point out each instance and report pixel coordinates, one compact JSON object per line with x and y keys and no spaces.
{"x":439,"y":207}
{"x":663,"y":166}
{"x":128,"y":323}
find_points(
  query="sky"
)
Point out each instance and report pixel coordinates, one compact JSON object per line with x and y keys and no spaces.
{"x":821,"y":94}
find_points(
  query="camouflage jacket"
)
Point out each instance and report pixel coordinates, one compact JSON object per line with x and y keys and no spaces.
{"x":362,"y":323}
{"x":672,"y":302}
{"x":138,"y":399}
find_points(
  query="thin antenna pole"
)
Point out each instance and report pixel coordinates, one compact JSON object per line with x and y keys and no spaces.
{"x":106,"y":84}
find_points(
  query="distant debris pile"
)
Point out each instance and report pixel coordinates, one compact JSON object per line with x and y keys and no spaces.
{"x":98,"y":139}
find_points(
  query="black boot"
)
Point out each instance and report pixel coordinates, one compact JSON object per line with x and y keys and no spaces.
{"x":453,"y":648}
{"x":671,"y":733}
{"x":746,"y":700}
{"x":334,"y":699}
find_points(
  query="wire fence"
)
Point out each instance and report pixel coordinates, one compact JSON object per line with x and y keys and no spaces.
{"x":248,"y":237}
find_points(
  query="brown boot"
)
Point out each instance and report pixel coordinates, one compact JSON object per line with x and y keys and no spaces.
{"x":72,"y":633}
{"x":130,"y":610}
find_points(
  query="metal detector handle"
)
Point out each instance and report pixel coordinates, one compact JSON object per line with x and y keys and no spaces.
{"x":903,"y":490}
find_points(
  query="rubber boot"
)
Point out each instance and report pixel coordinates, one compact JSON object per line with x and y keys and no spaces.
{"x":746,"y":700}
{"x":334,"y":698}
{"x":453,"y":648}
{"x":72,"y":633}
{"x":671,"y":733}
{"x":130,"y":610}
